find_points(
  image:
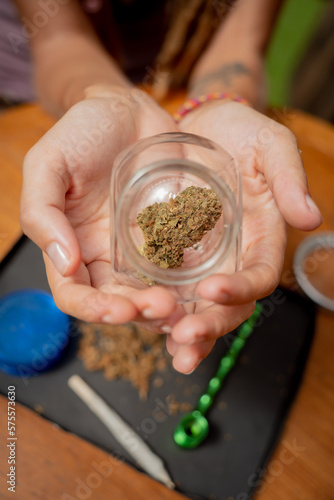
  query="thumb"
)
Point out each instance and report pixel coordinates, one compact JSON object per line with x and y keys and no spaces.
{"x":42,"y":213}
{"x":285,"y":175}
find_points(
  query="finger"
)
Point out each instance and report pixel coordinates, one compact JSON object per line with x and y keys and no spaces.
{"x":171,"y":345}
{"x":285,"y":175}
{"x":75,"y":296}
{"x":188,"y":357}
{"x":42,"y":212}
{"x":164,"y":324}
{"x":259,"y":277}
{"x":152,"y":303}
{"x":210,"y":324}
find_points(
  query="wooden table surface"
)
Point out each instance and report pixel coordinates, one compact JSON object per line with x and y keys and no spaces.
{"x":53,"y":464}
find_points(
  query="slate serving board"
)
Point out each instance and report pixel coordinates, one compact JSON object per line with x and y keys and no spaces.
{"x":245,"y":420}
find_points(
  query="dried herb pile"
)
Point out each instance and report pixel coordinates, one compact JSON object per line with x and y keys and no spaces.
{"x":125,"y":352}
{"x":170,"y":227}
{"x":131,"y":353}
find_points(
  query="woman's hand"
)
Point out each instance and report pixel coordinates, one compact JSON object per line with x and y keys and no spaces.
{"x":65,"y":210}
{"x":274,"y":191}
{"x":65,"y":204}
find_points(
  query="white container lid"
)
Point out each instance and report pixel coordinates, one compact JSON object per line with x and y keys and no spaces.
{"x":315,"y":246}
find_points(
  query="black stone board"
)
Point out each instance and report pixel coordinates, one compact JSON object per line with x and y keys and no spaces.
{"x":245,"y":420}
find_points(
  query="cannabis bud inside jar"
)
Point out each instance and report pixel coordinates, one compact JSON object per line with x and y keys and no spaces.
{"x":175,"y":215}
{"x":170,"y":227}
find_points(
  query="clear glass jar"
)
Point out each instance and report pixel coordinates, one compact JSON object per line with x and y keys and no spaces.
{"x":154,"y":170}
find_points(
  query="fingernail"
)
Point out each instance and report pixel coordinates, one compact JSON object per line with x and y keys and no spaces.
{"x":149,"y":313}
{"x":107,"y":318}
{"x":59,"y":256}
{"x":166,"y":328}
{"x":311,"y":205}
{"x":191,"y":371}
{"x":196,"y":366}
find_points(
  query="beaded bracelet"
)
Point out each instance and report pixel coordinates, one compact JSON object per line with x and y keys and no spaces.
{"x":195,"y":102}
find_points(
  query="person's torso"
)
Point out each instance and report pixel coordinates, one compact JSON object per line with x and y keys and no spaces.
{"x":131,"y":30}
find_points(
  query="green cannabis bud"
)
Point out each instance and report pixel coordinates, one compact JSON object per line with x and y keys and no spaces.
{"x":170,"y":227}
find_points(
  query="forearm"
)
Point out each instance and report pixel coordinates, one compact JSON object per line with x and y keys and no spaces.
{"x":68,"y":58}
{"x":233,"y":61}
{"x":78,"y":63}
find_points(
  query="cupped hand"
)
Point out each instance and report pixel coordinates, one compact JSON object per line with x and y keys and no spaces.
{"x":65,"y":205}
{"x":65,"y":210}
{"x":274,"y":191}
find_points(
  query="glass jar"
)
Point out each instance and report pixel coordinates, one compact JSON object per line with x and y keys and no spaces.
{"x":154,"y":170}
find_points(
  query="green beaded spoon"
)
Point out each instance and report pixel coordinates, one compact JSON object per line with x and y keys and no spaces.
{"x":194,"y":427}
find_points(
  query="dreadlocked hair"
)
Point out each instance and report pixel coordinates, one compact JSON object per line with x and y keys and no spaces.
{"x":192,"y":24}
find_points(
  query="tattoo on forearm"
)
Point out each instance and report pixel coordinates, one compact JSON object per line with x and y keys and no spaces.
{"x":224,"y":76}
